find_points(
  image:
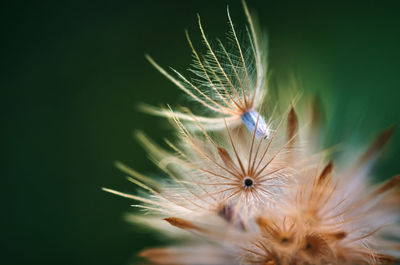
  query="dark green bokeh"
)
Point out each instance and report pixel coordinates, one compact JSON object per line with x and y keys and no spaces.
{"x":73,"y":72}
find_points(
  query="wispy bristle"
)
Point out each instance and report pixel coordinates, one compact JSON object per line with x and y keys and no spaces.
{"x":182,"y":223}
{"x":391,"y":184}
{"x":292,"y":124}
{"x":325,"y":173}
{"x":375,"y":147}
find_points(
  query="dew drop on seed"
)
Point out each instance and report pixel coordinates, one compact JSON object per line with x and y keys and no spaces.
{"x":249,"y":118}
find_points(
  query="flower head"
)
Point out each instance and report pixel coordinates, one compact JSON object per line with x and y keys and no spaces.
{"x":266,"y":195}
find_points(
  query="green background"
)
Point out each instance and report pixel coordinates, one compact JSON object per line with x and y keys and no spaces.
{"x":73,"y":72}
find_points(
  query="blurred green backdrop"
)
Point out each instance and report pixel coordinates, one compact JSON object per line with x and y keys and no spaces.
{"x":73,"y":72}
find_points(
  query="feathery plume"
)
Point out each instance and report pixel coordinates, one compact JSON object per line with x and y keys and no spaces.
{"x":229,"y":84}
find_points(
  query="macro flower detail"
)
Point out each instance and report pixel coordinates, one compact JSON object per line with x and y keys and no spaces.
{"x":235,"y":188}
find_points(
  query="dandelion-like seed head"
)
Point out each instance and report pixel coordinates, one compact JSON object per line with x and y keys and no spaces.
{"x":240,"y":172}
